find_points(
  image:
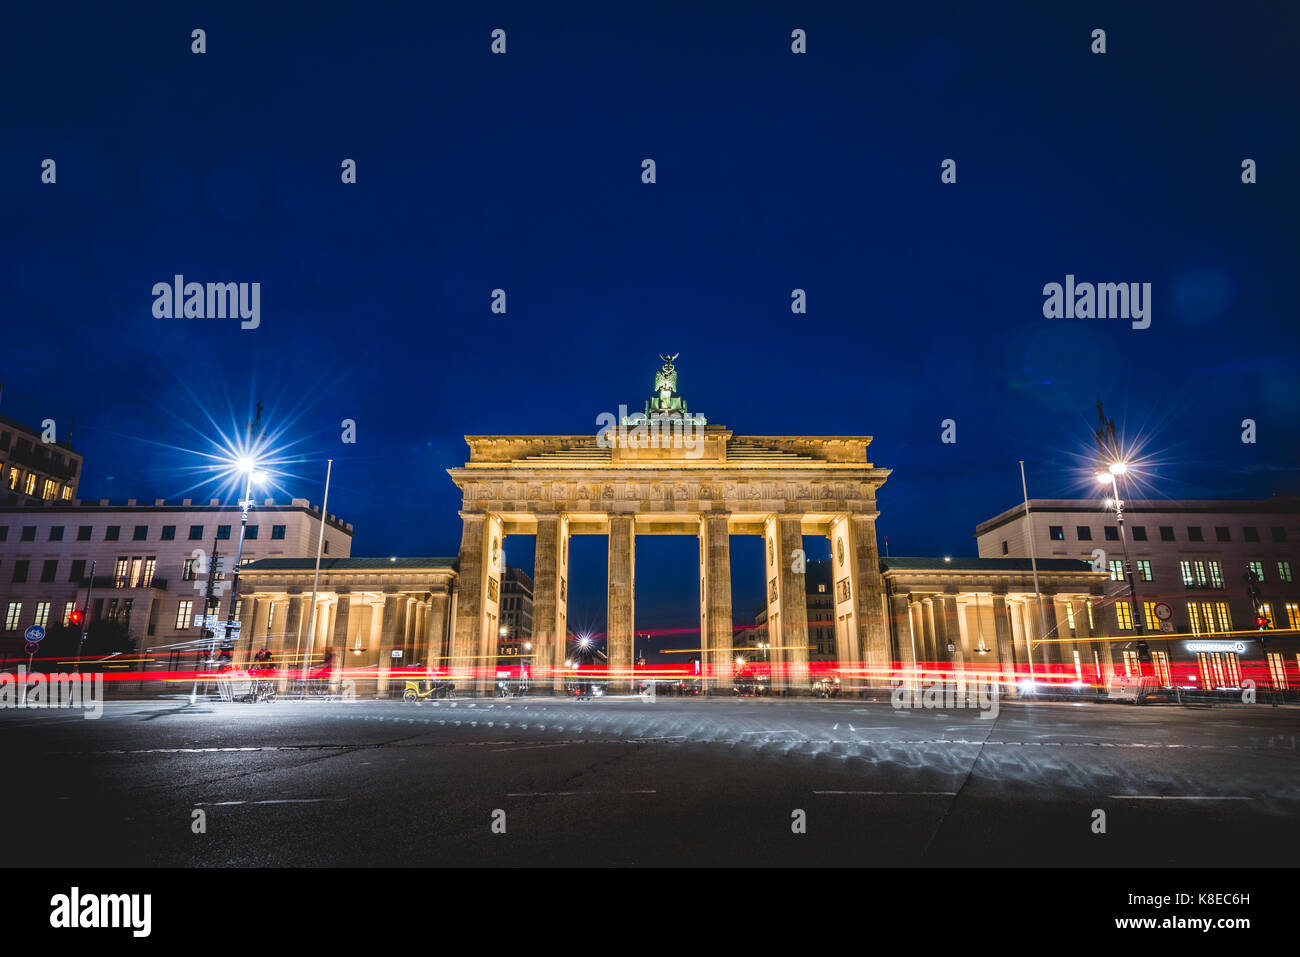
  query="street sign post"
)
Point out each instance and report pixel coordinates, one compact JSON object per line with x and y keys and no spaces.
{"x":1163,"y":611}
{"x":34,"y":633}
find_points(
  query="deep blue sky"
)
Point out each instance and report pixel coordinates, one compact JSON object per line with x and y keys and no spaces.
{"x":775,"y":171}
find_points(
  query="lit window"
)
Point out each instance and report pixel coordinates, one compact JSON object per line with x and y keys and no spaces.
{"x":1277,"y":670}
{"x":1257,"y":568}
{"x":119,"y":573}
{"x":29,"y":487}
{"x":1216,"y":574}
{"x":42,"y":613}
{"x":12,"y":615}
{"x":183,"y":614}
{"x":1144,"y":570}
{"x":1284,"y":571}
{"x":50,"y":489}
{"x":1161,"y":662}
{"x":1124,"y":615}
{"x":1116,"y":570}
{"x":13,"y":478}
{"x":67,"y":611}
{"x":1293,"y":614}
{"x":150,"y":564}
{"x":67,"y":493}
{"x":1149,"y":616}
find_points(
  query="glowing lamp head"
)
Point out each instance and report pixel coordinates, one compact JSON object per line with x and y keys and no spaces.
{"x":246,"y":464}
{"x":1118,"y":468}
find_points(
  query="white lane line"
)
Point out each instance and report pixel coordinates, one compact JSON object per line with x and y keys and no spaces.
{"x":518,"y":794}
{"x":934,"y":793}
{"x":531,"y":747}
{"x":787,"y":731}
{"x":278,"y":801}
{"x":1177,"y":797}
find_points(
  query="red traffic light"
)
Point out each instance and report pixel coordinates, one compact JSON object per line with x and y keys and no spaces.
{"x":75,"y":616}
{"x":1261,"y":621}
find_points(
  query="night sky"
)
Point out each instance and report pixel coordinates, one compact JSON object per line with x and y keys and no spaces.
{"x":775,"y":171}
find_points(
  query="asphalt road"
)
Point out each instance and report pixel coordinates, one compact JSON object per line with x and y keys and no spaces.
{"x":632,"y":782}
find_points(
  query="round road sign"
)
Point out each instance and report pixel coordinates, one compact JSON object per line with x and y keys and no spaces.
{"x":34,"y":633}
{"x":32,"y":647}
{"x":1163,"y":611}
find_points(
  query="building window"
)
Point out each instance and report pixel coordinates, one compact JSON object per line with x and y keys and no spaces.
{"x":119,"y":573}
{"x":1216,"y":574}
{"x":223,"y":531}
{"x":196,"y":533}
{"x":1144,"y":570}
{"x":1284,"y":571}
{"x":150,"y":564}
{"x":29,"y":533}
{"x":56,"y":533}
{"x":1149,"y":616}
{"x":821,"y":588}
{"x":20,"y":571}
{"x":1084,"y":533}
{"x":1257,"y":568}
{"x":1277,"y":670}
{"x":1279,"y":533}
{"x":67,"y":493}
{"x":327,"y":547}
{"x":67,"y":612}
{"x":141,"y":533}
{"x":1124,"y":615}
{"x":78,"y":571}
{"x":1132,"y":666}
{"x":1056,"y":533}
{"x":13,"y":478}
{"x":187,"y":573}
{"x":12,"y":614}
{"x":1116,"y":566}
{"x":183,"y":614}
{"x":1166,"y":533}
{"x":1250,"y":533}
{"x":1139,"y":533}
{"x":49,"y":569}
{"x":1194,"y":574}
{"x":1293,"y":614}
{"x":1194,"y":533}
{"x":1161,"y":662}
{"x":49,"y":491}
{"x":83,"y":533}
{"x":168,"y":533}
{"x":277,"y":531}
{"x":250,"y":532}
{"x":1112,"y":533}
{"x":1221,"y":533}
{"x":42,"y":614}
{"x":112,"y":533}
{"x":4,"y":532}
{"x":29,"y":487}
{"x":1069,"y":616}
{"x":1091,"y":627}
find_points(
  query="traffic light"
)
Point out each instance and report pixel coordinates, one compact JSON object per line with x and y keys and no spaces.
{"x":1262,"y":622}
{"x":75,"y":617}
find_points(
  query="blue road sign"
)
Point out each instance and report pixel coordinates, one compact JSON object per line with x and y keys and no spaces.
{"x":34,"y":633}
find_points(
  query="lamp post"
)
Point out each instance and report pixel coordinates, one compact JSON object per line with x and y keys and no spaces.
{"x":248,"y":466}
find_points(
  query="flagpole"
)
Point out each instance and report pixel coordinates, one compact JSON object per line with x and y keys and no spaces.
{"x":315,"y":582}
{"x":1033,"y":562}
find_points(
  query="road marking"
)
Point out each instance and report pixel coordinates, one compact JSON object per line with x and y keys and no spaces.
{"x":524,"y":794}
{"x":788,"y":731}
{"x":1177,"y":797}
{"x":531,"y":747}
{"x":933,"y":793}
{"x":277,"y":801}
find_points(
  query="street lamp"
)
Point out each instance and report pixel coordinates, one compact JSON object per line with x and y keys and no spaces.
{"x":252,"y":473}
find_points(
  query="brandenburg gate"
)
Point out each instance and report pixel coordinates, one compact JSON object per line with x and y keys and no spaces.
{"x":666,"y":471}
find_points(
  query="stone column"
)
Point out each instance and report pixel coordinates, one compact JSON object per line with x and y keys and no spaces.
{"x":952,"y":632}
{"x":394,"y":626}
{"x":471,"y":585}
{"x":435,"y":659}
{"x":620,"y":613}
{"x":293,"y":623}
{"x":1006,"y":652}
{"x":1051,"y":652}
{"x":339,"y":636}
{"x":872,"y":639}
{"x":549,"y":609}
{"x":901,"y":616}
{"x":1100,"y":628}
{"x":715,"y":572}
{"x":793,"y":597}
